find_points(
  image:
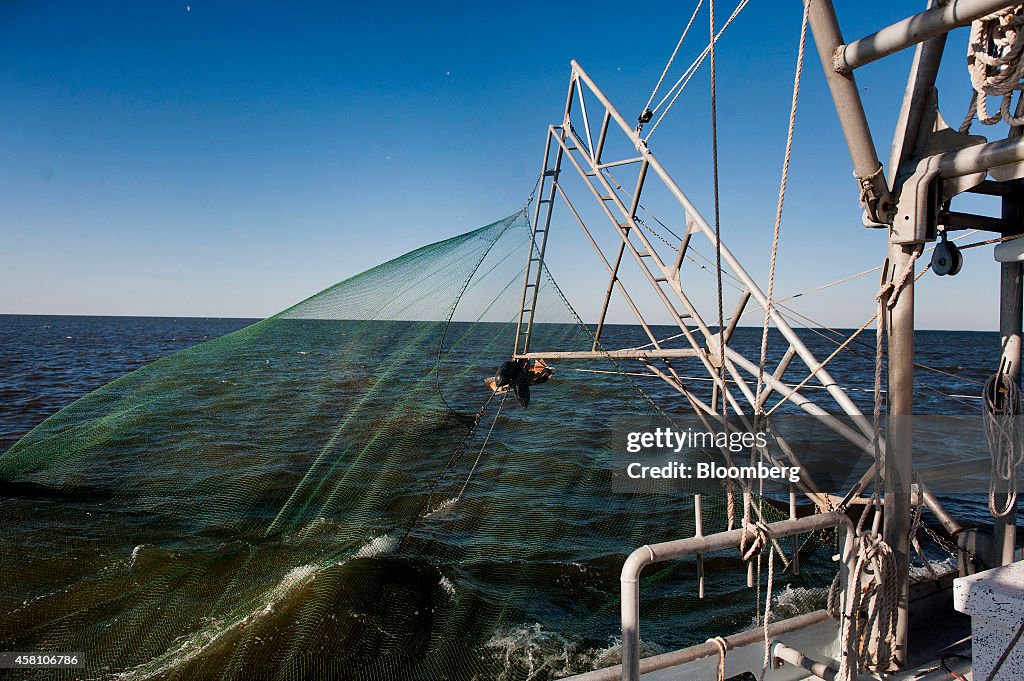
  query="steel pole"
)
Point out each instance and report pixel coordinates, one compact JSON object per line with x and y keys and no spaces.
{"x":920,"y":84}
{"x":935,"y":21}
{"x":899,"y":441}
{"x":629,"y":579}
{"x":821,"y":17}
{"x":1005,"y":528}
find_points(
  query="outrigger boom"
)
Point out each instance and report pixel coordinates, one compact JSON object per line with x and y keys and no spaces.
{"x":930,"y":165}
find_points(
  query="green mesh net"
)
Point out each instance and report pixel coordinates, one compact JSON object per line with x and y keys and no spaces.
{"x":334,"y":493}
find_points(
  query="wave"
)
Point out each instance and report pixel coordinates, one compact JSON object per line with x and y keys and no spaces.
{"x":531,"y":652}
{"x":196,"y":643}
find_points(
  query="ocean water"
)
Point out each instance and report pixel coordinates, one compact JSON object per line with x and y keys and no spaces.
{"x":242,"y":559}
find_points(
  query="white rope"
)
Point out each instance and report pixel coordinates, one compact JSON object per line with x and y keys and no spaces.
{"x":995,"y":65}
{"x":647,"y":112}
{"x":778,"y":209}
{"x":876,"y":593}
{"x":479,"y":454}
{"x":874,"y":578}
{"x":1002,"y":407}
{"x":723,"y":647}
{"x":684,"y":79}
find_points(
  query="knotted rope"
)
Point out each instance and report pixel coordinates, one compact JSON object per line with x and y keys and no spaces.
{"x":1001,"y":405}
{"x":879,"y":597}
{"x":723,"y":648}
{"x":995,"y":65}
{"x":761,"y":539}
{"x":870,"y":642}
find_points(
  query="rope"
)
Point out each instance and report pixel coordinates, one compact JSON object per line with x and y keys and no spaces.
{"x":421,"y":513}
{"x":718,"y":220}
{"x":876,"y":563}
{"x":680,"y":84}
{"x":868,"y":197}
{"x":646,"y":114}
{"x":997,"y":240}
{"x":761,"y":539}
{"x":778,"y":209}
{"x":995,"y":65}
{"x":458,"y":298}
{"x":723,"y":647}
{"x":874,"y":579}
{"x":479,"y":454}
{"x":1002,"y":406}
{"x":1006,"y":653}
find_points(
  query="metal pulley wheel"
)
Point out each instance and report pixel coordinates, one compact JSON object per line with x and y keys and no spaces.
{"x":946,"y":258}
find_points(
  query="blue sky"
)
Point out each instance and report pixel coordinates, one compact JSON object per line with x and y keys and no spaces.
{"x":231,"y":158}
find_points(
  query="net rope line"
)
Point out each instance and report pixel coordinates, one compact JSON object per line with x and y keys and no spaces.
{"x":654,"y":93}
{"x":717,"y":211}
{"x":879,"y":362}
{"x":723,"y":386}
{"x":458,"y":298}
{"x":770,"y":293}
{"x":808,"y":323}
{"x":763,"y":534}
{"x":683,"y":80}
{"x":483,"y":446}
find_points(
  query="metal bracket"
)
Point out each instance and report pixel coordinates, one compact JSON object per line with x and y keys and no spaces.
{"x":918,"y":207}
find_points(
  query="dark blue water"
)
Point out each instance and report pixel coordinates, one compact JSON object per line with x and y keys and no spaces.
{"x":524,"y":566}
{"x":47,"y":362}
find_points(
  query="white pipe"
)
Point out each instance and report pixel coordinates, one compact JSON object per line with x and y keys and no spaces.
{"x":657,"y":553}
{"x":912,"y":30}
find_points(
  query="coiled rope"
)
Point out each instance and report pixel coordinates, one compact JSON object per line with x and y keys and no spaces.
{"x":1001,"y":405}
{"x":995,"y":65}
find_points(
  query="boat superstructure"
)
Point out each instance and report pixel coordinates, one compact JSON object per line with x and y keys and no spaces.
{"x":595,"y":158}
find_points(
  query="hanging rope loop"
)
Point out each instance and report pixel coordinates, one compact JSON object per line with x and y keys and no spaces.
{"x":1001,"y":405}
{"x":723,"y":648}
{"x":760,"y":538}
{"x":994,"y":62}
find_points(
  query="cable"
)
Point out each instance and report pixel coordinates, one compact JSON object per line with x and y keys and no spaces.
{"x":455,"y":305}
{"x":646,"y":114}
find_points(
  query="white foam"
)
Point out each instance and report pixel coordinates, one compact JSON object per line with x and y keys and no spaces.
{"x":378,"y":546}
{"x":794,"y":600}
{"x":922,"y":573}
{"x":195,"y":643}
{"x":442,"y":507}
{"x":544,"y":654}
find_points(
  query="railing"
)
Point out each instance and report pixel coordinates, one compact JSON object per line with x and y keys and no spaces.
{"x":699,"y":545}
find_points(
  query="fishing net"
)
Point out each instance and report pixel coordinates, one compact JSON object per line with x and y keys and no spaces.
{"x":333,"y":492}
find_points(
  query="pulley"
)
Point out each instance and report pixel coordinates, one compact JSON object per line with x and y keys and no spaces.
{"x":946,"y":258}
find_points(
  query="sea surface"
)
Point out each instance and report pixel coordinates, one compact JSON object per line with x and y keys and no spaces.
{"x":525,"y":553}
